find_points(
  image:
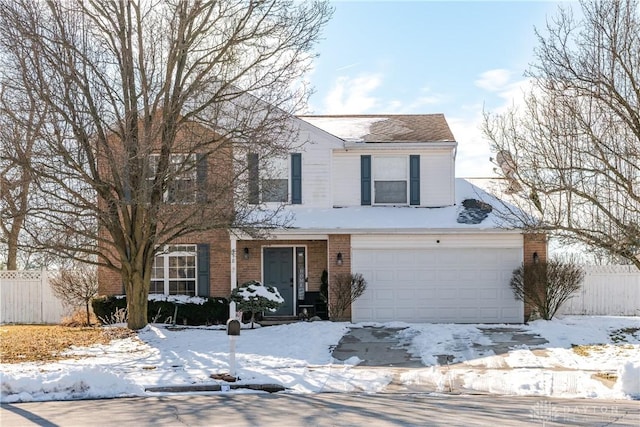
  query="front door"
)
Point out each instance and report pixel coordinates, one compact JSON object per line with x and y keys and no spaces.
{"x":278,"y":272}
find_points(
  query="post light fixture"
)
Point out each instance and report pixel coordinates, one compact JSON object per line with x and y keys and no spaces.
{"x":339,"y":258}
{"x":246,"y":253}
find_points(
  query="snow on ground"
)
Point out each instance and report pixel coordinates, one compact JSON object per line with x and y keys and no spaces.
{"x":606,"y":363}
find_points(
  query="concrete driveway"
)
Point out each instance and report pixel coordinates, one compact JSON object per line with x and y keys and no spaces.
{"x":381,"y":346}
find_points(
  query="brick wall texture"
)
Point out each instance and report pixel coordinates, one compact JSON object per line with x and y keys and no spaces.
{"x":535,"y":246}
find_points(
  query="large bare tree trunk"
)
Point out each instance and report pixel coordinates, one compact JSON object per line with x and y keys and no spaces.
{"x":137,"y":290}
{"x":144,"y":98}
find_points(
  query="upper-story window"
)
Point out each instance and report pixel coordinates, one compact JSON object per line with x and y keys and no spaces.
{"x":174,"y":271}
{"x":182,"y":186}
{"x":394,"y":180}
{"x":275,"y":180}
{"x":275,"y":184}
{"x":390,"y":177}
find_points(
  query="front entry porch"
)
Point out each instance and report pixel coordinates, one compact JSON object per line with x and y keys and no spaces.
{"x":294,"y":267}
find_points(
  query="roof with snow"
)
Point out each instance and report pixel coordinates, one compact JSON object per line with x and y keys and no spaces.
{"x":475,"y":209}
{"x":385,"y":128}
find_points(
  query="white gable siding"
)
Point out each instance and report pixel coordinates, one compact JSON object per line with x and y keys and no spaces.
{"x":346,"y":179}
{"x":437,"y":181}
{"x":315,"y":147}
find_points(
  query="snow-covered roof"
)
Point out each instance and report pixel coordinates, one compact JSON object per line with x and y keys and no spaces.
{"x":463,"y":216}
{"x":385,"y":128}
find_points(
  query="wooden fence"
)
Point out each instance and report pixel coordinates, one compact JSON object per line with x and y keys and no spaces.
{"x":26,"y":297}
{"x":607,"y":290}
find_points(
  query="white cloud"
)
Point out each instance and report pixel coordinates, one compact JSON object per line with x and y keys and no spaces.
{"x":472,"y":159}
{"x":415,"y":106}
{"x":499,"y":83}
{"x":494,"y":80}
{"x":353,"y":95}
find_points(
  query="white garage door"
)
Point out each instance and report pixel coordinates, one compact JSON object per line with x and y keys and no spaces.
{"x":460,"y":285}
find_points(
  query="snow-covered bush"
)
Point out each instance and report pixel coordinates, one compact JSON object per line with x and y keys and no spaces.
{"x":255,"y":297}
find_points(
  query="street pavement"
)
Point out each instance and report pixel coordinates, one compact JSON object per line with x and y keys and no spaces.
{"x":323,"y":410}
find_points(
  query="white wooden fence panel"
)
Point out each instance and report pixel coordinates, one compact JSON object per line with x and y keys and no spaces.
{"x":612,"y":290}
{"x":26,"y":297}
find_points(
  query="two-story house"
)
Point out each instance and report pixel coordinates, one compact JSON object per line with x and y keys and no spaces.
{"x":375,"y":195}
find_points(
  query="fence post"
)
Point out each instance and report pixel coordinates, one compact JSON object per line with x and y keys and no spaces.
{"x":43,"y":282}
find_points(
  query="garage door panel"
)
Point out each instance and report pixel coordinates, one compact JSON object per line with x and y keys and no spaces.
{"x":437,"y":285}
{"x":489,"y":294}
{"x":407,"y":275}
{"x":384,"y":275}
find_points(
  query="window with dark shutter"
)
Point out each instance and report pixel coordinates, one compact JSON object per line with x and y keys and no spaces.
{"x":201,"y":177}
{"x":296,"y":178}
{"x":414,"y":180}
{"x":254,"y":183}
{"x":365,"y":180}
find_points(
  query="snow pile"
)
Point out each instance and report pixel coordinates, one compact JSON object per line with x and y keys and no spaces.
{"x":60,"y":383}
{"x":629,"y":379}
{"x":576,"y":356}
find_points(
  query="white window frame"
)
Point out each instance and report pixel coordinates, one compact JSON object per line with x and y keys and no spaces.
{"x":376,"y":160}
{"x":284,"y":173}
{"x":168,"y":253}
{"x":175,"y":162}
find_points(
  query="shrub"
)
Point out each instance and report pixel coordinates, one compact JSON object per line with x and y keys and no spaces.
{"x":545,"y":286}
{"x":76,"y":288}
{"x":255,"y":297}
{"x":162,"y":310}
{"x":343,"y":291}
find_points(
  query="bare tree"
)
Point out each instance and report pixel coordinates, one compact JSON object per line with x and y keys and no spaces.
{"x":545,"y":286}
{"x":575,"y":143}
{"x":20,"y":122}
{"x":76,"y":287}
{"x":343,"y":291}
{"x":152,"y":109}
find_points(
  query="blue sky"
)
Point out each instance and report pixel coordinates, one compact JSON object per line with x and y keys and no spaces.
{"x":456,"y":58}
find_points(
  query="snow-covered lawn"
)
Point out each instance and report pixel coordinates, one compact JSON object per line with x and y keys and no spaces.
{"x":595,"y":357}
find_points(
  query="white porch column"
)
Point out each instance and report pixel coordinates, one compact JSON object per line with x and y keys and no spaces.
{"x":234,"y":275}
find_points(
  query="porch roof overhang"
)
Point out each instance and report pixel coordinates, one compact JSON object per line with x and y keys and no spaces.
{"x":386,"y":220}
{"x":461,"y":218}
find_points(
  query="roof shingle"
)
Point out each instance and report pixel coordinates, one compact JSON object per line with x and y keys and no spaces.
{"x":385,"y":127}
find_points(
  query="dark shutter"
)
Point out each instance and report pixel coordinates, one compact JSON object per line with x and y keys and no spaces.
{"x":414,"y":180}
{"x":365,"y":180}
{"x":203,"y":270}
{"x":254,"y":187}
{"x":296,"y":178}
{"x":201,"y":177}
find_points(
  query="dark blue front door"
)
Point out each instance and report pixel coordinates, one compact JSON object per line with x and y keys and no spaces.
{"x":278,"y":272}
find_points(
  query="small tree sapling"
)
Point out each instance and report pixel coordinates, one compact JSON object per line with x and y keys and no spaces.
{"x":255,"y":297}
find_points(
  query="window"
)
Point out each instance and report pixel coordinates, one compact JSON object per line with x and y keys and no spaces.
{"x":275,"y":184}
{"x":269,"y":180}
{"x":390,"y":180}
{"x":174,"y":271}
{"x":182,"y":177}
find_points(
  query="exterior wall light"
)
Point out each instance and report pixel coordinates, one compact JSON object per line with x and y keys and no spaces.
{"x":536,"y":258}
{"x":339,"y":258}
{"x":246,"y":253}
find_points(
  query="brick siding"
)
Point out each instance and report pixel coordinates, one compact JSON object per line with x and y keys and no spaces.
{"x":535,"y":244}
{"x":339,"y":243}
